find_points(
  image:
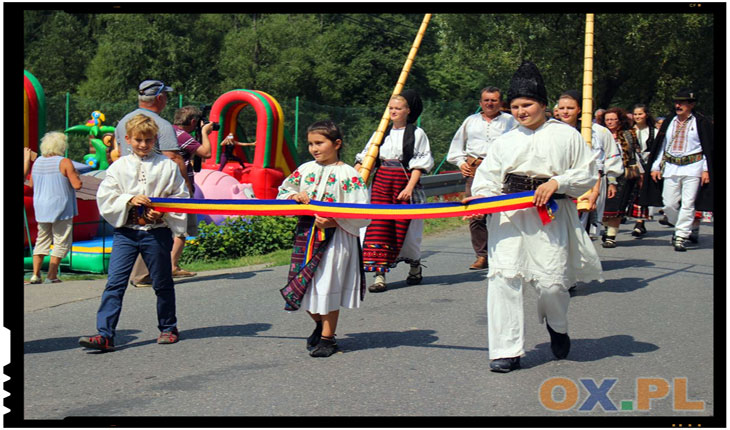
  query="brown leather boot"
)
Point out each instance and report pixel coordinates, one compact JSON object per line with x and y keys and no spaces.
{"x":480,"y":264}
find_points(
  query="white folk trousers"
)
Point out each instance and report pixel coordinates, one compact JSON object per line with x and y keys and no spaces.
{"x":505,"y":313}
{"x":679,"y":195}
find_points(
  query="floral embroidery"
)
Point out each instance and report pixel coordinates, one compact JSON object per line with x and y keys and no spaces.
{"x":357,"y":182}
{"x":310,"y":178}
{"x":331,"y":179}
{"x":352,"y":184}
{"x":295,"y":177}
{"x":328,"y":197}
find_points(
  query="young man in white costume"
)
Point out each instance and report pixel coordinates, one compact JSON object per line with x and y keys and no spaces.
{"x":552,"y":159}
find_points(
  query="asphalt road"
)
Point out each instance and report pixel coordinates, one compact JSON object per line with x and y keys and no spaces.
{"x":412,"y":351}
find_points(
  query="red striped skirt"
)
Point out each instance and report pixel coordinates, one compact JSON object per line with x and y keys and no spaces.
{"x":384,"y":237}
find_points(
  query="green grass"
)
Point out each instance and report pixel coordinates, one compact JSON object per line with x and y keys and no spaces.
{"x":438,"y":225}
{"x":276,"y":258}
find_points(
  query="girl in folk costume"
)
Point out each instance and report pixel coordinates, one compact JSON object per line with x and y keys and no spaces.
{"x":644,"y":128}
{"x":403,"y":156}
{"x":326,"y":266}
{"x":626,"y":186}
{"x":552,"y":159}
{"x":608,"y":159}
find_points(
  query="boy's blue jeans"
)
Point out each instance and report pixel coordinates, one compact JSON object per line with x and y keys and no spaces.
{"x":155,"y":246}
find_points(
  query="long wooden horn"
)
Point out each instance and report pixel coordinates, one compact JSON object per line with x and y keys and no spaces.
{"x":372,"y":154}
{"x":586,"y":118}
{"x":587,"y":115}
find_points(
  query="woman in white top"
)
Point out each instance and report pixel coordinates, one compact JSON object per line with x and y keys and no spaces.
{"x":403,"y":156}
{"x":608,"y":160}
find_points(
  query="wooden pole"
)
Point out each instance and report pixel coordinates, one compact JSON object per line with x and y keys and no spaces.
{"x":587,"y":115}
{"x":369,"y":161}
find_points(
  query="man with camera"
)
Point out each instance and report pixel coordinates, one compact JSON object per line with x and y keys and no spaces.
{"x":187,"y":120}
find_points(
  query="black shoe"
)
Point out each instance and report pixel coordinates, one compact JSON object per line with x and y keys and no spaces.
{"x":559,"y":343}
{"x":694,"y":236}
{"x":504,"y":365}
{"x":678,"y":243}
{"x":639,"y":230}
{"x":610,"y":242}
{"x":665,"y":221}
{"x":316,"y":335}
{"x":325,"y":348}
{"x":415,"y":279}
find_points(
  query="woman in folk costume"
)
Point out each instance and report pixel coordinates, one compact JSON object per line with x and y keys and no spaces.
{"x":546,"y":156}
{"x":626,"y":185}
{"x":403,"y":156}
{"x":645,"y":129}
{"x":326,"y":267}
{"x":608,"y":160}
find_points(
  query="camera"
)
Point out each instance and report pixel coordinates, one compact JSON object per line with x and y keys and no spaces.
{"x":205,"y":109}
{"x":216,"y":126}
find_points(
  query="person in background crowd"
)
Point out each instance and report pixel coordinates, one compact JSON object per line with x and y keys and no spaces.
{"x":187,"y":119}
{"x":608,"y":161}
{"x":645,"y":131}
{"x":469,"y":147}
{"x":626,"y":185}
{"x":53,"y":179}
{"x":29,"y":156}
{"x":681,"y":167}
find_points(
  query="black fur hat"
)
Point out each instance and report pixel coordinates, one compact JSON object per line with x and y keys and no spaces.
{"x":527,"y":82}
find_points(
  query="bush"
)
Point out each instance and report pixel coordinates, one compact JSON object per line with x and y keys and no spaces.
{"x":238,"y":237}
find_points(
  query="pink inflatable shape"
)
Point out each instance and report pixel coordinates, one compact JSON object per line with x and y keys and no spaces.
{"x":212,"y":184}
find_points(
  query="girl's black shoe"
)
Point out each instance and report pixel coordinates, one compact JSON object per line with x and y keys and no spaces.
{"x":316,"y":335}
{"x":325,"y":348}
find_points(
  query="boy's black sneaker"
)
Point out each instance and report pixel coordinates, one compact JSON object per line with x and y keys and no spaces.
{"x":504,"y":365}
{"x":97,"y":342}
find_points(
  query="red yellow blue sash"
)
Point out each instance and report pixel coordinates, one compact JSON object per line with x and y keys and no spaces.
{"x":315,"y":235}
{"x":485,"y":205}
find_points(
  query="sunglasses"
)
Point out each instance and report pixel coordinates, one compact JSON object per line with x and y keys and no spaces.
{"x":159,"y":90}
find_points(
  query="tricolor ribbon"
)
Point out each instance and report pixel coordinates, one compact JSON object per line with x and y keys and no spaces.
{"x":315,"y":234}
{"x":485,"y":205}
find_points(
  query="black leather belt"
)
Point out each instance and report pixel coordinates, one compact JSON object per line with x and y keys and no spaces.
{"x":518,"y":184}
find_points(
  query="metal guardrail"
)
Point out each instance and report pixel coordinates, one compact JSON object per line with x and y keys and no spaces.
{"x":436,"y":185}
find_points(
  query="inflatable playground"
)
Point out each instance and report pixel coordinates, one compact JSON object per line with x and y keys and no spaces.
{"x":232,"y":172}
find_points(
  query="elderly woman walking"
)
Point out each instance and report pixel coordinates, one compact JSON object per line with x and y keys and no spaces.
{"x":53,"y":180}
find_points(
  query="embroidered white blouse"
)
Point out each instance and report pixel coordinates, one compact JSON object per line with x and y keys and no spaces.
{"x":336,"y":282}
{"x":153,"y":176}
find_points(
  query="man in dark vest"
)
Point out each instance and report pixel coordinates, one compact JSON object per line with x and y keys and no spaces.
{"x":681,"y":169}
